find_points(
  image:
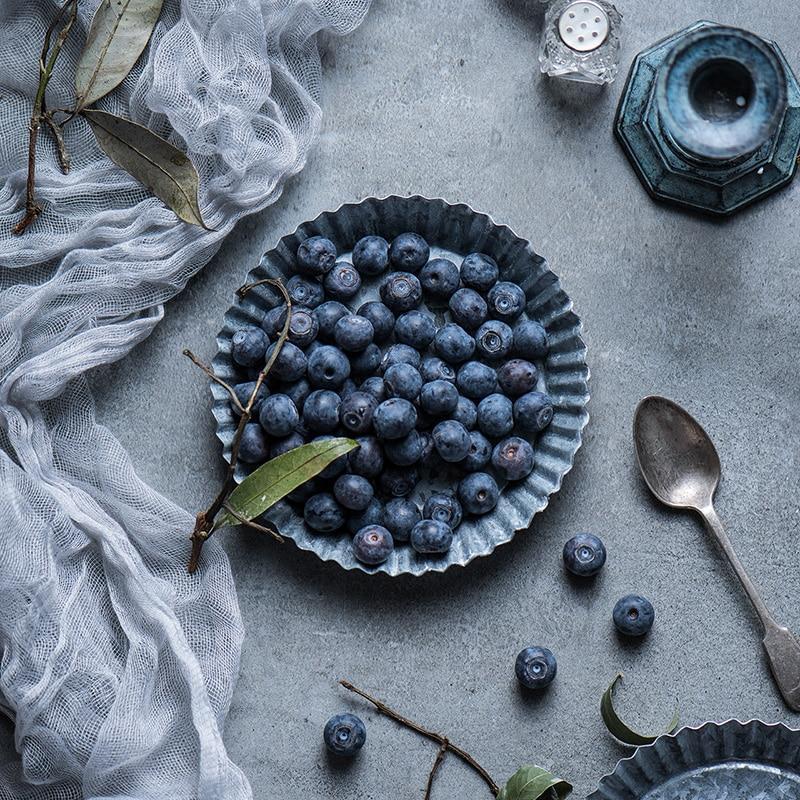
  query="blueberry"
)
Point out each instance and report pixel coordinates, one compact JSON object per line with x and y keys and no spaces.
{"x":367,"y":458}
{"x":478,"y":493}
{"x":634,"y":615}
{"x":248,"y":346}
{"x":479,"y":453}
{"x":495,"y":416}
{"x":453,"y":343}
{"x":468,"y":309}
{"x":406,"y":451}
{"x":353,"y":492}
{"x":315,"y":256}
{"x":443,"y":507}
{"x":431,"y":537}
{"x":243,"y":392}
{"x":347,"y":388}
{"x":433,"y":368}
{"x":506,"y":300}
{"x":398,"y":481}
{"x":517,"y":377}
{"x":530,"y":339}
{"x":291,"y":363}
{"x":403,"y":380}
{"x":401,"y":291}
{"x":438,"y":398}
{"x":373,"y":544}
{"x":343,"y":281}
{"x":479,"y":272}
{"x":429,"y":457}
{"x":375,"y":386}
{"x":439,"y":278}
{"x":328,"y":367}
{"x":304,"y":491}
{"x":394,"y":418}
{"x":451,"y":440}
{"x":303,"y":327}
{"x":513,"y":458}
{"x":533,"y":412}
{"x":328,"y":314}
{"x":373,"y":514}
{"x":400,"y":354}
{"x":367,"y":361}
{"x":281,"y":446}
{"x":323,"y":513}
{"x":476,"y":380}
{"x":371,"y":255}
{"x":253,"y":447}
{"x":535,"y":667}
{"x":380,"y":316}
{"x":494,"y":339}
{"x":278,"y":416}
{"x":303,"y":292}
{"x":409,"y":252}
{"x":401,"y":516}
{"x":335,"y":468}
{"x":344,"y":734}
{"x":353,"y":333}
{"x":357,"y":410}
{"x":321,"y":411}
{"x":466,"y":412}
{"x":273,"y":321}
{"x":584,"y":555}
{"x":297,"y":392}
{"x":415,"y":328}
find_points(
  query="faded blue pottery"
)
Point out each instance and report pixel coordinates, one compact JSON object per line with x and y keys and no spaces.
{"x":710,"y":118}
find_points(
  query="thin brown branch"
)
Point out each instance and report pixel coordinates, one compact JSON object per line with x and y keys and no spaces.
{"x":249,"y":523}
{"x":210,"y":372}
{"x":442,"y":741}
{"x":435,"y":768}
{"x":61,"y":147}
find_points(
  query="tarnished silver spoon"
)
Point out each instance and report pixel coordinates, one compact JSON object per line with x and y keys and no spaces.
{"x":681,"y":467}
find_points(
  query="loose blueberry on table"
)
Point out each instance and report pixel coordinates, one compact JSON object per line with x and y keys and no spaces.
{"x":584,"y":555}
{"x":455,"y":396}
{"x":634,"y":615}
{"x":535,"y":667}
{"x":344,"y":735}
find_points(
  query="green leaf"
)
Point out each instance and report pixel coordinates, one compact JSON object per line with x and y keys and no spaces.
{"x":272,"y":481}
{"x":120,"y":30}
{"x":531,"y":783}
{"x":619,"y":729}
{"x":161,"y":167}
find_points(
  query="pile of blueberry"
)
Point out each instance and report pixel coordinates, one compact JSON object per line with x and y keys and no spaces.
{"x":416,"y":391}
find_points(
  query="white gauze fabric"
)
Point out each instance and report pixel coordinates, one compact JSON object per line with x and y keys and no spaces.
{"x":117,"y":666}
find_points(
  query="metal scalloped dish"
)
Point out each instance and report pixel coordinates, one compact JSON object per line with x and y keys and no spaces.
{"x":453,"y":230}
{"x":717,"y":761}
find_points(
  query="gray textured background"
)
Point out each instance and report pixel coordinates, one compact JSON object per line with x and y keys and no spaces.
{"x":445,"y":99}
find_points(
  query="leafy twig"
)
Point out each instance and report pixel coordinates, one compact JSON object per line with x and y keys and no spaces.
{"x":445,"y":745}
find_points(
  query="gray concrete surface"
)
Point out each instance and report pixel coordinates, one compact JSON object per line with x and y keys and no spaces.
{"x":445,"y":98}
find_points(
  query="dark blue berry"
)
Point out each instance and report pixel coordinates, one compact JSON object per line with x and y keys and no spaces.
{"x":506,"y":300}
{"x":517,"y":377}
{"x":274,"y":320}
{"x":367,"y":361}
{"x":353,"y":492}
{"x":429,"y":457}
{"x":304,"y":292}
{"x":243,"y":392}
{"x":478,"y":493}
{"x":297,"y":392}
{"x":281,"y":446}
{"x":380,"y":316}
{"x":400,"y":518}
{"x":248,"y":346}
{"x":453,"y":344}
{"x":584,"y":555}
{"x":347,"y":388}
{"x":409,"y":252}
{"x":343,"y":281}
{"x":433,"y":368}
{"x":479,"y":453}
{"x":315,"y":256}
{"x":400,"y":354}
{"x":253,"y":447}
{"x":398,"y":481}
{"x":371,"y":255}
{"x":513,"y":458}
{"x":304,"y":491}
{"x":493,"y":340}
{"x":401,"y":291}
{"x":476,"y":380}
{"x":536,"y":667}
{"x":328,"y":314}
{"x":406,"y":451}
{"x":321,"y":411}
{"x":495,"y":416}
{"x":403,"y":380}
{"x":344,"y":734}
{"x":479,"y":272}
{"x":438,"y":398}
{"x":415,"y":328}
{"x":394,"y":418}
{"x":278,"y":416}
{"x":533,"y":412}
{"x":367,"y":458}
{"x":353,"y":333}
{"x":328,"y":367}
{"x":634,"y":615}
{"x":373,"y":514}
{"x":373,"y":544}
{"x":323,"y":513}
{"x":451,"y":440}
{"x":291,"y":363}
{"x":466,"y":412}
{"x":303,"y":327}
{"x":443,"y":507}
{"x":439,"y":278}
{"x":376,"y":387}
{"x":530,"y":339}
{"x":335,"y":468}
{"x":357,"y":410}
{"x":431,"y":537}
{"x":468,"y":309}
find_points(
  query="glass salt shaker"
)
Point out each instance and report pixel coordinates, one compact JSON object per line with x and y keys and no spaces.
{"x":580,"y":41}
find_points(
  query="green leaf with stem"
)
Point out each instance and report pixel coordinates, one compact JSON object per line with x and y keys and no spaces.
{"x":620,"y":730}
{"x":533,"y":783}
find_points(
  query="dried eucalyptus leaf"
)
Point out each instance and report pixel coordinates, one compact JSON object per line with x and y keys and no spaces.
{"x":619,"y":729}
{"x":120,"y":30}
{"x":161,"y":167}
{"x":272,"y":481}
{"x":533,"y":783}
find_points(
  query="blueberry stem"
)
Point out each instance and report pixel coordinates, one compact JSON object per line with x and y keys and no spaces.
{"x":204,"y":521}
{"x":444,"y":743}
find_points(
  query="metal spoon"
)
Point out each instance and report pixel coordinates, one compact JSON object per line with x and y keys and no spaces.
{"x":682,"y":469}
